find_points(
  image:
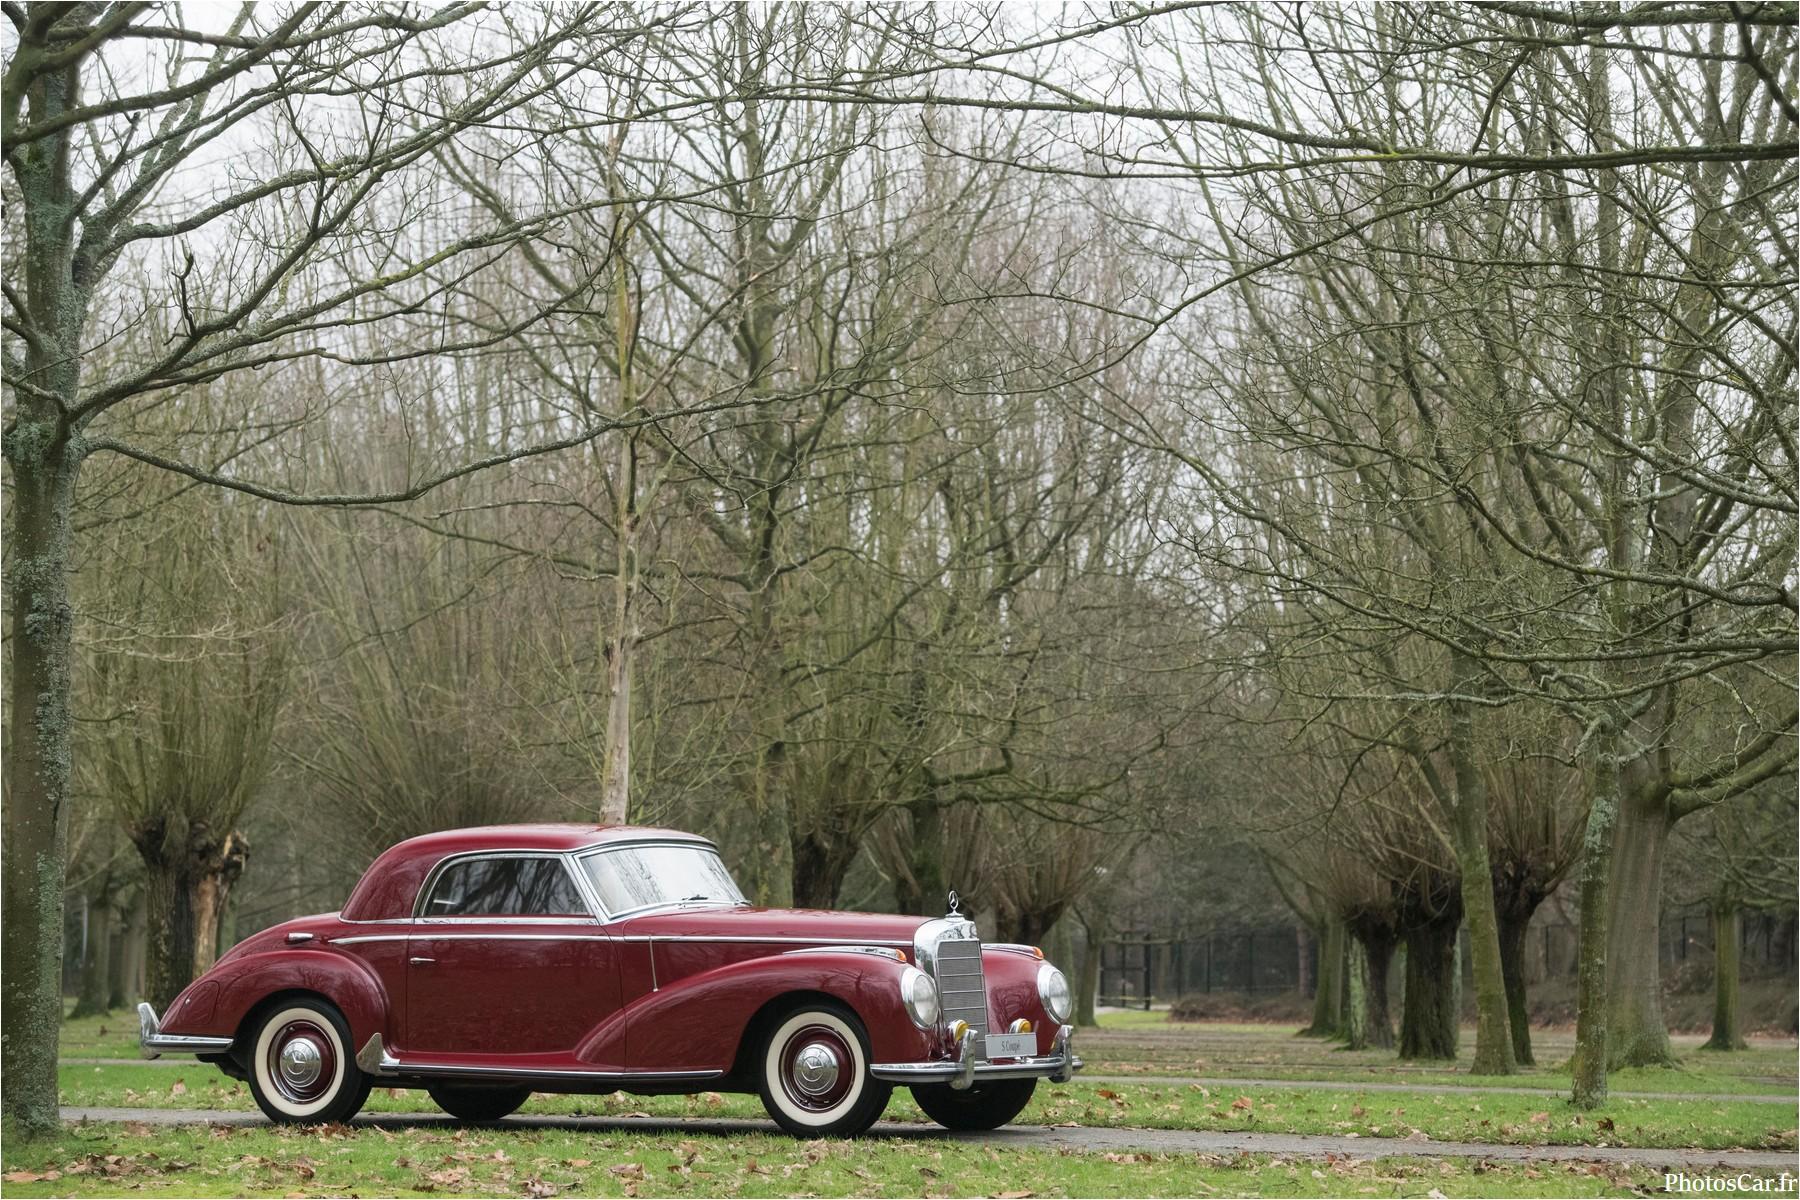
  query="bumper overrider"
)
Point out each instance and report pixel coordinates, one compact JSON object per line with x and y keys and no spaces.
{"x":152,"y":1041}
{"x":1058,"y":1066}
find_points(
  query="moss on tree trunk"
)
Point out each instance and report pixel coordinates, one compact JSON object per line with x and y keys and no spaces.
{"x":35,"y":822}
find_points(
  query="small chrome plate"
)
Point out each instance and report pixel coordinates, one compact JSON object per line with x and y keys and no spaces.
{"x":1011,"y":1045}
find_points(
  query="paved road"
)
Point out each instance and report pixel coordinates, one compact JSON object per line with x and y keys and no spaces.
{"x":1227,"y":1082}
{"x":1166,"y":1141}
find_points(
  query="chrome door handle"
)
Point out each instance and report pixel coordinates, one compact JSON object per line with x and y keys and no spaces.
{"x":421,"y":962}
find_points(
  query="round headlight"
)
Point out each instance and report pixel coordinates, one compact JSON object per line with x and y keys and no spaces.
{"x":1053,"y":990}
{"x":920,"y":995}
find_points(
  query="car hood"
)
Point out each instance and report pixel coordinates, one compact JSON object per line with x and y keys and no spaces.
{"x":778,"y":924}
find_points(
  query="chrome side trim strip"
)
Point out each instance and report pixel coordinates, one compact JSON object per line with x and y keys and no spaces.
{"x":374,"y":1059}
{"x":424,"y":934}
{"x":153,"y":1042}
{"x":890,"y":953}
{"x":766,"y":941}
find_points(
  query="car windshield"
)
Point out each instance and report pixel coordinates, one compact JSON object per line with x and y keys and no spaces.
{"x":634,"y":877}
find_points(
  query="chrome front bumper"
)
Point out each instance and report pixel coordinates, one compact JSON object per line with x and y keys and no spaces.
{"x":1058,"y":1066}
{"x":152,"y":1041}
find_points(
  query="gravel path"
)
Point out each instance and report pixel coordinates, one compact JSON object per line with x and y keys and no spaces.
{"x":1227,"y":1082}
{"x":1166,"y":1141}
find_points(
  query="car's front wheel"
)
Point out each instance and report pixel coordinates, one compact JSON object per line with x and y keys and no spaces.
{"x":814,"y":1078}
{"x":301,"y":1069}
{"x":471,"y":1103}
{"x":984,"y":1106}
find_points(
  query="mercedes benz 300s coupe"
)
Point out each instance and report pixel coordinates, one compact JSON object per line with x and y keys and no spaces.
{"x":485,"y":964}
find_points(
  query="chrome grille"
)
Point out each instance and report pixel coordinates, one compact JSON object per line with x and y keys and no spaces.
{"x":962,"y":988}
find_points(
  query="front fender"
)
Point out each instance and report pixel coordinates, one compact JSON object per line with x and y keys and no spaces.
{"x":698,"y":1023}
{"x":217,"y":1003}
{"x":1012,"y":992}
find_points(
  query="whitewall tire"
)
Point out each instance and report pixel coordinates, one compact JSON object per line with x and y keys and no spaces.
{"x":301,"y":1068}
{"x":813,"y":1074}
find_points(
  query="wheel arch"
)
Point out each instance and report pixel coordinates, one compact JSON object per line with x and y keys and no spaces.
{"x":763,"y":1021}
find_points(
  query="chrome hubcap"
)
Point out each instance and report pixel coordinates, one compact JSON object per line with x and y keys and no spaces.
{"x":301,"y":1062}
{"x":816,"y":1069}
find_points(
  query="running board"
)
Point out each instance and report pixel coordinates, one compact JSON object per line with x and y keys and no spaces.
{"x":373,"y":1059}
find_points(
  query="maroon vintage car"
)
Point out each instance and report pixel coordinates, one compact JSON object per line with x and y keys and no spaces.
{"x":486,"y":964}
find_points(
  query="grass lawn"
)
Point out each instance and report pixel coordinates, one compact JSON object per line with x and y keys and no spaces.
{"x":1140,"y":1043}
{"x":1714,"y":1123}
{"x":105,"y":1160}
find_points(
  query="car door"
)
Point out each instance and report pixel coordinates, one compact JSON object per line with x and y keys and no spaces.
{"x":505,"y":957}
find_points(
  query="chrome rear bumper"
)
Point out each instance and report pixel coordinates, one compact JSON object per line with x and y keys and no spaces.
{"x":152,"y":1041}
{"x":1058,"y":1066}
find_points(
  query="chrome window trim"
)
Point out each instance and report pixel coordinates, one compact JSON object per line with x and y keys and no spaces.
{"x":419,"y":914}
{"x":608,"y":915}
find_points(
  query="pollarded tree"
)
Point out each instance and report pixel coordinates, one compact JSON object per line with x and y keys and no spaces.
{"x":194,"y":198}
{"x":190,"y":647}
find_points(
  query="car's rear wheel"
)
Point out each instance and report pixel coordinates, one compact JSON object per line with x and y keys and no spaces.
{"x":814,"y":1076}
{"x":301,"y":1069}
{"x":471,"y":1103}
{"x":984,"y":1106}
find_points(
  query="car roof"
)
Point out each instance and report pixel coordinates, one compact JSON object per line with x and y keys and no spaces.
{"x":388,"y":888}
{"x":546,"y":836}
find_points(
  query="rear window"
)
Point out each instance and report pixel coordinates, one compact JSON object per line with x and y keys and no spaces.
{"x":505,"y":887}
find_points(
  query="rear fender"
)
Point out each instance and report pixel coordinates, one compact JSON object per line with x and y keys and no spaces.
{"x":698,"y":1023}
{"x":217,"y":1003}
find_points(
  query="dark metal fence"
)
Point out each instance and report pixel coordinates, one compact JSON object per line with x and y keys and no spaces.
{"x":1138,"y":970}
{"x":1135,"y":971}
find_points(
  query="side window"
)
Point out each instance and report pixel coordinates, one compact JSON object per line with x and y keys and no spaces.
{"x":505,"y":887}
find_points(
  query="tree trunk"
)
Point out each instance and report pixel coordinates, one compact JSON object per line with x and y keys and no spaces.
{"x":1327,"y":1019}
{"x":1728,"y":932}
{"x":212,"y":892}
{"x":920,"y":890}
{"x":35,"y":819}
{"x":1469,"y":819}
{"x":621,"y":651}
{"x":1635,"y":1033}
{"x":134,"y":952}
{"x":1428,"y":1004}
{"x":821,"y":861}
{"x":1512,"y":963}
{"x":1356,"y":998}
{"x":118,"y":970}
{"x":96,"y":971}
{"x":1088,"y":993}
{"x":184,"y":896}
{"x":1028,"y":926}
{"x":1376,"y":949}
{"x":1588,"y":1065}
